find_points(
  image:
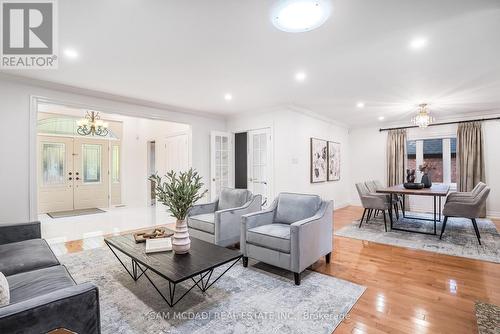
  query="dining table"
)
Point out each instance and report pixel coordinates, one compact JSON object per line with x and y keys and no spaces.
{"x":437,"y":191}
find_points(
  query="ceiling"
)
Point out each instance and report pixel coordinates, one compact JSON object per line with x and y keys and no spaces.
{"x":189,"y":54}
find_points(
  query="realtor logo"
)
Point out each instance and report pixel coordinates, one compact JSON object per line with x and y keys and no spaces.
{"x":28,"y":34}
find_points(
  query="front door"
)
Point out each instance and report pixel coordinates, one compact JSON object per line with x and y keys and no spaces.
{"x":55,"y":174}
{"x":259,"y":163}
{"x":91,"y":166}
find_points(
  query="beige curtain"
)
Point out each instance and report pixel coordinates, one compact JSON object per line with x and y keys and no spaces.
{"x":396,"y":157}
{"x":470,"y":157}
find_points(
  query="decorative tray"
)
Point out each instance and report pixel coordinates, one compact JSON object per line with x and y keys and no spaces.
{"x":413,"y":185}
{"x":154,"y":234}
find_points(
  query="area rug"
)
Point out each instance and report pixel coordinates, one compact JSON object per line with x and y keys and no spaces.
{"x":257,"y":299}
{"x":459,"y":238}
{"x":488,"y":318}
{"x":73,"y":213}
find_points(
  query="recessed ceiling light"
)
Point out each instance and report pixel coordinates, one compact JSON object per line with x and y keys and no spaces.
{"x":360,"y":104}
{"x":300,"y":15}
{"x":71,"y":53}
{"x":228,"y":97}
{"x":418,"y":43}
{"x":300,"y":76}
{"x":381,"y":118}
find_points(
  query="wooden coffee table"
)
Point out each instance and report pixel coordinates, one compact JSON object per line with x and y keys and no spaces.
{"x":196,"y":266}
{"x":437,"y":191}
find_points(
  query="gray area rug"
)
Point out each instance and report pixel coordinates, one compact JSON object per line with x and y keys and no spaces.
{"x":73,"y":213}
{"x":257,"y":299}
{"x":488,"y":318}
{"x":459,"y":238}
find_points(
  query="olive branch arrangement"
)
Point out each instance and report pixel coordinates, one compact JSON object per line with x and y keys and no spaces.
{"x":178,"y":191}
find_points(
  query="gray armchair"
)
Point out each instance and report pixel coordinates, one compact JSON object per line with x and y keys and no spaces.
{"x":466,"y":207}
{"x":218,"y":222}
{"x":292,"y":234}
{"x":372,"y":202}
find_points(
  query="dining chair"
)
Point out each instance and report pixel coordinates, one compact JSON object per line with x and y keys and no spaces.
{"x":466,"y":207}
{"x":371,"y":202}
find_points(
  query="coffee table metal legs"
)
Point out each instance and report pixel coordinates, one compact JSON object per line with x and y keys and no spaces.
{"x":202,"y":280}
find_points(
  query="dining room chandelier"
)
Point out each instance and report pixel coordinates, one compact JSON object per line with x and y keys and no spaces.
{"x":92,"y":125}
{"x":423,"y":118}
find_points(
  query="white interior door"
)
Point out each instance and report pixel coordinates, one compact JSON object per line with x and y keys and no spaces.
{"x":259,"y":163}
{"x":220,"y":162}
{"x":91,"y":166}
{"x":55,"y":174}
{"x":177,"y":152}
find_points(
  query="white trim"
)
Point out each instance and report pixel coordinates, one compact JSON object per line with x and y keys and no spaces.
{"x":108,"y":96}
{"x":32,"y":167}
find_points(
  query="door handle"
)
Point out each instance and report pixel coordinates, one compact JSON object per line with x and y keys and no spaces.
{"x":70,"y":178}
{"x":77,"y":173}
{"x":70,"y":173}
{"x":77,"y":178}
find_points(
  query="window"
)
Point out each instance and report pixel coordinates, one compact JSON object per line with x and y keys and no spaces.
{"x":433,"y":156}
{"x":91,"y":163}
{"x":53,"y":161}
{"x":439,"y":153}
{"x":115,"y":164}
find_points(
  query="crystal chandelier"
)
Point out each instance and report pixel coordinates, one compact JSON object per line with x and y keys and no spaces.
{"x":423,"y":118}
{"x":92,"y":125}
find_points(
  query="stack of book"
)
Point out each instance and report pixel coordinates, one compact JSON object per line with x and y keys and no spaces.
{"x":158,"y":245}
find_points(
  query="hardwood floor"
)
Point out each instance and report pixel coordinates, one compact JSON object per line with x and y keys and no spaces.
{"x":408,"y":291}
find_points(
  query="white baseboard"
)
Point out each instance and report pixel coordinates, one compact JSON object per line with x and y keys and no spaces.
{"x":493,"y":214}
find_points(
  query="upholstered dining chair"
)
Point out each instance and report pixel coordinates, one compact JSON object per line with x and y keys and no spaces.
{"x":292,"y":234}
{"x":371,"y":201}
{"x":477,"y":189}
{"x":465,"y":207}
{"x":397,"y":201}
{"x":218,"y":222}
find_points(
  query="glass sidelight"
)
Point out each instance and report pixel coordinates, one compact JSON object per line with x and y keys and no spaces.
{"x":91,"y":163}
{"x":53,"y":163}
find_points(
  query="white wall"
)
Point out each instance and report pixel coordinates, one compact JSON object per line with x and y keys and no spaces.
{"x":15,"y":138}
{"x":368,"y":158}
{"x":136,"y":133}
{"x":291,"y":132}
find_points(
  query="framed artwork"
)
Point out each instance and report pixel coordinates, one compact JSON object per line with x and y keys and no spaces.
{"x":319,"y":154}
{"x":333,"y":161}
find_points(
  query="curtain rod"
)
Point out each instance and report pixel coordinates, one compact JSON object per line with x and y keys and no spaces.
{"x":444,"y":123}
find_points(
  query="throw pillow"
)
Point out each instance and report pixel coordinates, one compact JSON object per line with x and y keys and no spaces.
{"x":4,"y":291}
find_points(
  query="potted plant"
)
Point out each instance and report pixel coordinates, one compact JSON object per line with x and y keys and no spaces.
{"x":178,"y":192}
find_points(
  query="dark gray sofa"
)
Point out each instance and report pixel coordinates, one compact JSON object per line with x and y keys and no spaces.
{"x":43,"y":295}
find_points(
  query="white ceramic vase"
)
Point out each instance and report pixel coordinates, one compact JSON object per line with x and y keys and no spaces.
{"x":180,"y":240}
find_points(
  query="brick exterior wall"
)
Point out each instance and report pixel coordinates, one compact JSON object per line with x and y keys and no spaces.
{"x":437,"y":173}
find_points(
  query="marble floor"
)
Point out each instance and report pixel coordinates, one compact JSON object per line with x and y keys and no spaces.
{"x":89,"y":228}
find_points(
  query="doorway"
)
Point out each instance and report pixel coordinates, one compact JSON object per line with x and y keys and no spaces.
{"x":73,"y":173}
{"x":253,"y":162}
